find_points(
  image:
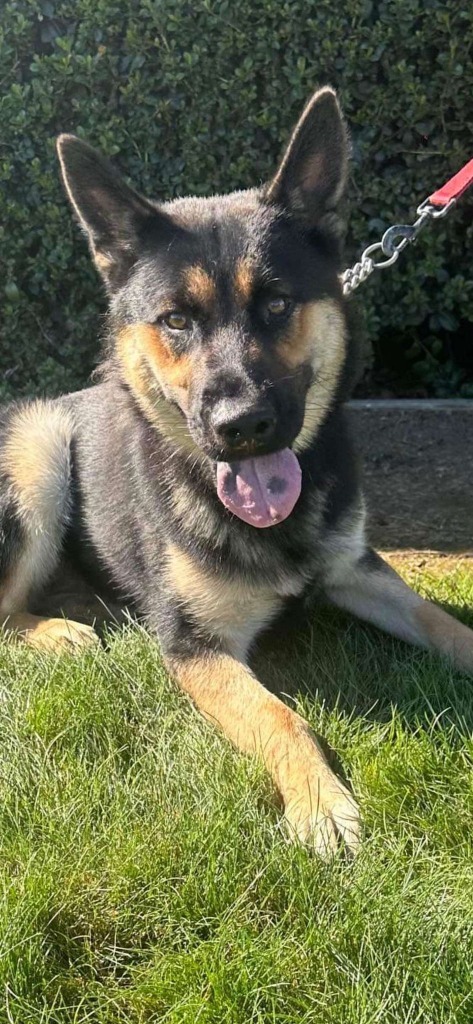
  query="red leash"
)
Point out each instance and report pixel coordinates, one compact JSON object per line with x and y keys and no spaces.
{"x":395,"y":239}
{"x":454,"y":187}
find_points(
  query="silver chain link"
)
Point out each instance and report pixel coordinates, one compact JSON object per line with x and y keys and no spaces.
{"x":407,"y":233}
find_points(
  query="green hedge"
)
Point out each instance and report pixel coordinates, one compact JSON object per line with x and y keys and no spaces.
{"x":199,"y":97}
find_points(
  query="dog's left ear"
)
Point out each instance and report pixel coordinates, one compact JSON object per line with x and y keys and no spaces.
{"x":312,"y":174}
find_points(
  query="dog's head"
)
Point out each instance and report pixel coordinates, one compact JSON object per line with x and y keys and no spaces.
{"x":227,"y":315}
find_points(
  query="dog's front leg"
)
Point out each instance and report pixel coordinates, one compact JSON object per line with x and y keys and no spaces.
{"x":318,"y":808}
{"x":373,"y":591}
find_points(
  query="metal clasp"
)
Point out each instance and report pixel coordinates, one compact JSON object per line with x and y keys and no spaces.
{"x":406,"y":232}
{"x":434,"y":211}
{"x":390,"y":247}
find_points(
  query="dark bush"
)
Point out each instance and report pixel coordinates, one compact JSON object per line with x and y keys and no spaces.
{"x":199,"y":97}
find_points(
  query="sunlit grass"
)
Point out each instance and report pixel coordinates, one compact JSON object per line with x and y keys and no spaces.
{"x":144,"y":872}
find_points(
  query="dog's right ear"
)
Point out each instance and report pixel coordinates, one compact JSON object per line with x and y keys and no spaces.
{"x":115,"y":218}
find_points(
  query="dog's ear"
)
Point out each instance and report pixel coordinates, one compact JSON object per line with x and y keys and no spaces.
{"x":115,"y":218}
{"x":312,"y":174}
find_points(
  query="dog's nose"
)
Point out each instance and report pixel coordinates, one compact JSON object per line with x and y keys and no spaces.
{"x":251,"y":426}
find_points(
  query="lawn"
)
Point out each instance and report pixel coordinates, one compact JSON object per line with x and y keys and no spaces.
{"x":145,"y":874}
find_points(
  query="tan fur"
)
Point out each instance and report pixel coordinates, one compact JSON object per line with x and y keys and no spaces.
{"x":36,"y":460}
{"x":380,"y":596}
{"x":103,"y":262}
{"x":318,"y":808}
{"x":296,"y":347}
{"x":244,"y":281}
{"x":321,"y":340}
{"x":199,"y":286}
{"x":141,"y":345}
{"x":446,"y":635}
{"x":53,"y":635}
{"x":148,"y":367}
{"x":232,"y":609}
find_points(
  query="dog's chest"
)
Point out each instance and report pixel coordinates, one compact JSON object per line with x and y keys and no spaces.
{"x":233,"y":608}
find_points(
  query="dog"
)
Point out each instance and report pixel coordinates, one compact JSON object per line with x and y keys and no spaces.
{"x":208,"y":480}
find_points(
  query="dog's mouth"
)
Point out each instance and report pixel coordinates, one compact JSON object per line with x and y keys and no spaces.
{"x":261,"y":490}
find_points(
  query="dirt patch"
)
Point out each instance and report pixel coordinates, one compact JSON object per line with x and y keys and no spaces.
{"x":417,"y":467}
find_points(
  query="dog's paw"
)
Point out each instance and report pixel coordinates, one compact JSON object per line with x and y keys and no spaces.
{"x":322,"y":814}
{"x":60,"y":635}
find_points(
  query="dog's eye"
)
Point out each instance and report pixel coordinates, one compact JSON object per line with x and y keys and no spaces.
{"x":278,"y":306}
{"x":177,"y":321}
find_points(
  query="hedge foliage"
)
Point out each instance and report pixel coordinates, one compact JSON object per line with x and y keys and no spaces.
{"x":199,"y":97}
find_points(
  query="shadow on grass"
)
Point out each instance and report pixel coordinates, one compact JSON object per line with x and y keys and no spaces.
{"x":359,"y":670}
{"x":335,"y":660}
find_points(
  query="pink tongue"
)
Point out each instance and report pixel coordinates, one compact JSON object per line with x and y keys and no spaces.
{"x":261,"y":491}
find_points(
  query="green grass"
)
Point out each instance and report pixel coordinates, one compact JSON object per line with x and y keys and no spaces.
{"x":144,"y":872}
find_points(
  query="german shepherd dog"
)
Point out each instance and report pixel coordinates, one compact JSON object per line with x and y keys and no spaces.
{"x":208,"y":480}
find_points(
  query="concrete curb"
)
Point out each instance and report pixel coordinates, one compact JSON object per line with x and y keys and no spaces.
{"x":417,"y":458}
{"x":412,"y":404}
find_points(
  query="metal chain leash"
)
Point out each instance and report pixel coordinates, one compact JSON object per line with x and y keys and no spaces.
{"x":390,"y":246}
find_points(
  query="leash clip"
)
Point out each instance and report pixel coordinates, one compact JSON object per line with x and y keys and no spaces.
{"x":433,"y":208}
{"x":427,"y":207}
{"x":389,"y":243}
